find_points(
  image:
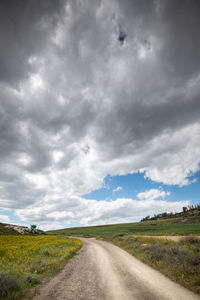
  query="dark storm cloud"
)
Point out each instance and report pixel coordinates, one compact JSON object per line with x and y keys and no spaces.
{"x":181,"y":41}
{"x":142,"y":121}
{"x":177,"y":23}
{"x":25,"y":27}
{"x":90,"y":88}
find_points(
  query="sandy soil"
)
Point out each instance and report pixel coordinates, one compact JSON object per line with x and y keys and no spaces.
{"x":174,"y":238}
{"x":103,"y":271}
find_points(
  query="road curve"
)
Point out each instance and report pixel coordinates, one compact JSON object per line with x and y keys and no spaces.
{"x":102,"y":271}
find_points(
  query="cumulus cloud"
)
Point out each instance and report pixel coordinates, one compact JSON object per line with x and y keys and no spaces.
{"x":4,"y":219}
{"x":93,"y":212}
{"x":90,"y":88}
{"x":153,"y":194}
{"x":118,"y":188}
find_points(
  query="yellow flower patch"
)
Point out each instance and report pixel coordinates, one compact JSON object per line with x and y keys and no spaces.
{"x":39,"y":255}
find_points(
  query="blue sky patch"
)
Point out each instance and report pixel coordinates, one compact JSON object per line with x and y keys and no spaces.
{"x":128,"y":186}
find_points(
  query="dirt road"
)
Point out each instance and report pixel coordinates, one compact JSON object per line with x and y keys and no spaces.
{"x":104,"y":271}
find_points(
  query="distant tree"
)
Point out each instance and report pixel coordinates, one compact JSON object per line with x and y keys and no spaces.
{"x":184,"y":209}
{"x":33,"y":227}
{"x":145,"y":219}
{"x":164,"y":215}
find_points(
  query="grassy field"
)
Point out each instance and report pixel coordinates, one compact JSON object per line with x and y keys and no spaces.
{"x":180,"y":261}
{"x":158,"y":227}
{"x":27,"y":260}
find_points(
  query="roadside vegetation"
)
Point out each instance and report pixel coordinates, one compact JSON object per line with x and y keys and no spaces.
{"x":27,"y":260}
{"x":180,"y":260}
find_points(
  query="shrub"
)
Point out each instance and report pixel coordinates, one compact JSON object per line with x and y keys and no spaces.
{"x":31,"y":279}
{"x":118,"y":236}
{"x":2,"y":252}
{"x":184,"y":259}
{"x":46,"y":252}
{"x":156,"y":252}
{"x":195,"y":260}
{"x":8,"y":285}
{"x":181,"y":252}
{"x":191,"y":240}
{"x":135,"y":243}
{"x":38,"y":267}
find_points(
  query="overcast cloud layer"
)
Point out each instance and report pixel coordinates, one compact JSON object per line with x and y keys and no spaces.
{"x":96,"y":87}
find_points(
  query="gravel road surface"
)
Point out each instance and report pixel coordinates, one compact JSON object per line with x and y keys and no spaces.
{"x":103,"y":271}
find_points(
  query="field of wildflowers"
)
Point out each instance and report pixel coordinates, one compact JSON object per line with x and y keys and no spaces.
{"x":26,"y":260}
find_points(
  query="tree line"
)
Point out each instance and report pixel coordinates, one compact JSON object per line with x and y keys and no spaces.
{"x":191,"y":210}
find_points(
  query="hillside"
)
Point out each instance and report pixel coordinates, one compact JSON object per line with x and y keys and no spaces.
{"x":175,"y":226}
{"x":17,"y":229}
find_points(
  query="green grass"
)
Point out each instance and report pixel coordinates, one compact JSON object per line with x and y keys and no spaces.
{"x":158,"y":227}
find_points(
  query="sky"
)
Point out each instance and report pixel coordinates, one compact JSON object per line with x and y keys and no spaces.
{"x":99,"y":110}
